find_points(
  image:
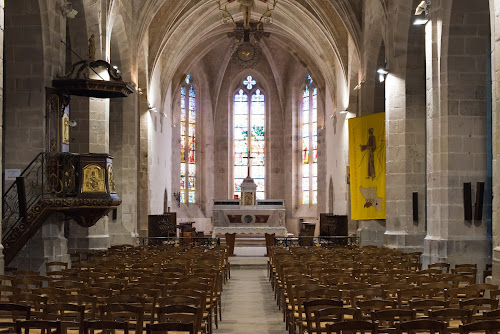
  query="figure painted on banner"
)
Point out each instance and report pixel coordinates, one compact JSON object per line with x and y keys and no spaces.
{"x":92,"y":48}
{"x":370,"y":146}
{"x":246,"y":7}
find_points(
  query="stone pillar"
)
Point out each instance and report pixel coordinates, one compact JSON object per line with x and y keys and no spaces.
{"x":495,"y":73}
{"x":48,"y":244}
{"x":2,"y":16}
{"x":91,"y":135}
{"x":405,"y":133}
{"x":123,"y":146}
{"x":456,"y":38}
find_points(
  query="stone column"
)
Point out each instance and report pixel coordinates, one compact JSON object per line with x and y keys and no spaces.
{"x":405,"y":133}
{"x":456,"y":38}
{"x":2,"y":17}
{"x":124,"y":148}
{"x":495,"y":72}
{"x":48,"y":244}
{"x":91,"y":135}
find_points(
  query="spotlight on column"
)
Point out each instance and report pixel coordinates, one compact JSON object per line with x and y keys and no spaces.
{"x":344,"y":111}
{"x":152,"y":109}
{"x":422,"y":13}
{"x":382,"y":73}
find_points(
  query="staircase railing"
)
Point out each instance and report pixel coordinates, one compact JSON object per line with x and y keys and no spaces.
{"x":48,"y":175}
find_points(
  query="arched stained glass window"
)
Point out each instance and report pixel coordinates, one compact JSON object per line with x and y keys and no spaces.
{"x":249,"y":119}
{"x":188,"y":142}
{"x":309,"y":143}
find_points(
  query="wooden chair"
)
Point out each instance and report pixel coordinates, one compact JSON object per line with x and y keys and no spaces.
{"x":366,"y":294}
{"x":331,"y":315}
{"x":387,"y":319}
{"x":70,"y":315}
{"x":42,"y":325}
{"x":368,"y":306}
{"x":310,"y":307}
{"x":453,"y":296}
{"x":124,"y":312}
{"x":492,"y":315}
{"x":353,"y":326}
{"x":165,"y":328}
{"x":91,"y":326}
{"x":421,"y":325}
{"x":453,"y":317}
{"x":487,"y":326}
{"x":478,"y":305}
{"x":179,"y":313}
{"x":55,"y":266}
{"x":88,"y":302}
{"x":423,"y":306}
{"x":11,"y":313}
{"x":443,"y":266}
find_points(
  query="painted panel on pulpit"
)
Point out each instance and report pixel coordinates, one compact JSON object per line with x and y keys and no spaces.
{"x":367,"y":161}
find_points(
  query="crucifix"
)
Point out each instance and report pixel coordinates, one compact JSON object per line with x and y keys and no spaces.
{"x":248,"y":163}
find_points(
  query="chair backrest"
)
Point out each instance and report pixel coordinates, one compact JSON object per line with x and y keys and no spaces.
{"x":487,"y":326}
{"x":89,"y":326}
{"x":389,"y":318}
{"x":421,"y":325}
{"x":354,"y":326}
{"x":170,"y":327}
{"x":44,"y":325}
{"x":449,"y":314}
{"x":121,"y":311}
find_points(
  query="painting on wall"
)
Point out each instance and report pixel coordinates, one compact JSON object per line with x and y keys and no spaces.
{"x":367,"y":166}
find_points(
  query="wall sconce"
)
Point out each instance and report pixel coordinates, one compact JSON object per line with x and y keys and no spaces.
{"x":152,"y":109}
{"x":358,"y":86}
{"x":422,"y":13}
{"x":68,"y":11}
{"x":382,"y":73}
{"x":73,"y":123}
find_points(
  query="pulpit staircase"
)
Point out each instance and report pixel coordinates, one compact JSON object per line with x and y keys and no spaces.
{"x":51,"y":183}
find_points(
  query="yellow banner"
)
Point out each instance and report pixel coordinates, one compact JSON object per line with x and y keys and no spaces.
{"x":367,"y":160}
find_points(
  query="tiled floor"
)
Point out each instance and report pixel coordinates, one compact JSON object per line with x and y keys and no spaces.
{"x":248,"y":305}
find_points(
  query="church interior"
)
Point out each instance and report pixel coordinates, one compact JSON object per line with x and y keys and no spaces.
{"x":128,"y":121}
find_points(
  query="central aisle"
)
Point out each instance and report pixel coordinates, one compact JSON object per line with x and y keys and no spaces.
{"x":248,"y":305}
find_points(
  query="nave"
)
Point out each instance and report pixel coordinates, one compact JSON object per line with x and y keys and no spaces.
{"x":248,"y":305}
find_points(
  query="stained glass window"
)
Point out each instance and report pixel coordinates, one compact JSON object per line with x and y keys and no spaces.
{"x":188,"y":142}
{"x":309,"y":143}
{"x":249,"y":119}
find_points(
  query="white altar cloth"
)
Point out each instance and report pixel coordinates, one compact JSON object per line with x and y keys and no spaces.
{"x":280,"y":231}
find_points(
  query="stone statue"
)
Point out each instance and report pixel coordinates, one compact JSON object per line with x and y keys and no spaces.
{"x":246,"y":7}
{"x":92,"y":48}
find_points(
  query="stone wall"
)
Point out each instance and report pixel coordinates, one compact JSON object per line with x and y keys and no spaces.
{"x":456,"y":38}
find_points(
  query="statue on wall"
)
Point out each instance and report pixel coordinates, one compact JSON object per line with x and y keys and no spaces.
{"x":92,"y":48}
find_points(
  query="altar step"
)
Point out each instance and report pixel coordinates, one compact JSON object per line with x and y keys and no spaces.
{"x":246,"y":240}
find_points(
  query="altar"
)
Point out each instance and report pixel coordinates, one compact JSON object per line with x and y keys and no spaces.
{"x":267,"y":216}
{"x":249,"y":215}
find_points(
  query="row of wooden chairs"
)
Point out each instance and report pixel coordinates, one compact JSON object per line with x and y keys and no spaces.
{"x":113,"y":283}
{"x":355,"y":280}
